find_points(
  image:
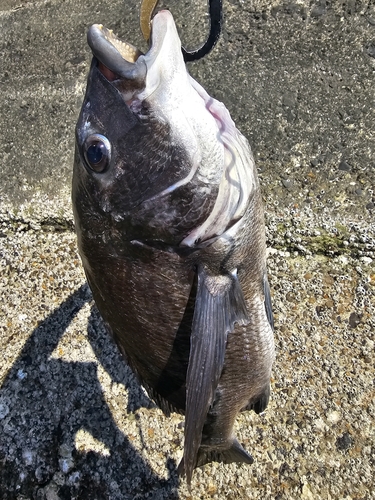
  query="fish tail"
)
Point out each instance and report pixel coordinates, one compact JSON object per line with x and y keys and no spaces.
{"x":209,"y":453}
{"x":234,"y":453}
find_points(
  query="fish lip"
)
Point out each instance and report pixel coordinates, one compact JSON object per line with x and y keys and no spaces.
{"x":123,"y":59}
{"x":115,"y":54}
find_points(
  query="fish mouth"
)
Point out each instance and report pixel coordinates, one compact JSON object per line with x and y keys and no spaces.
{"x":118,"y":59}
{"x":122,"y":60}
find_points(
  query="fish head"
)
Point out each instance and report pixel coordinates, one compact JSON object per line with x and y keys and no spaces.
{"x":135,"y":145}
{"x":157,"y":158}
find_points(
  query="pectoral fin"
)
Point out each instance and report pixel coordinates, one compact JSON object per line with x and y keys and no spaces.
{"x":219,"y":305}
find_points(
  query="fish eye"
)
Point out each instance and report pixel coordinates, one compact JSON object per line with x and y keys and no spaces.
{"x":97,"y":152}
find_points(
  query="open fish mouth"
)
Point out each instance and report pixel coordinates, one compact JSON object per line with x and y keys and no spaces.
{"x":122,"y":60}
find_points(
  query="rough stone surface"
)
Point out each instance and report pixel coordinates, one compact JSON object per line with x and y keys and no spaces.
{"x":298,"y":78}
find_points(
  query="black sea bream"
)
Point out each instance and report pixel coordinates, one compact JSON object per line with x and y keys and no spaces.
{"x":170,"y":228}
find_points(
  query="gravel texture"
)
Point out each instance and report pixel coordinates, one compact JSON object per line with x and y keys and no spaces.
{"x":298,"y":79}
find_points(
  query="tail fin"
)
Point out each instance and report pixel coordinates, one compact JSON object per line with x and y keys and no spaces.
{"x":235,"y":453}
{"x":207,"y":454}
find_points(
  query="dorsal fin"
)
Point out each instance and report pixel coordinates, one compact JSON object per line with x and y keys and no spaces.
{"x":268,"y":302}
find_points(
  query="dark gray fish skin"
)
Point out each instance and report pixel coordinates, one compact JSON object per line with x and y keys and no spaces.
{"x":171,"y":234}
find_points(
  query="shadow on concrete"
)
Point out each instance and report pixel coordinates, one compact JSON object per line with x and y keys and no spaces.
{"x":45,"y":401}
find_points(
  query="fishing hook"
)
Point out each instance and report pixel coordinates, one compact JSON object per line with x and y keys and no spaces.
{"x":216,"y":22}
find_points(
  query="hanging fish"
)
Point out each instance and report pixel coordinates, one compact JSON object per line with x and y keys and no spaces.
{"x":170,"y":229}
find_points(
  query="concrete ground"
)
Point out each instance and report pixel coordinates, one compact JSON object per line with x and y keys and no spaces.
{"x":298,"y":79}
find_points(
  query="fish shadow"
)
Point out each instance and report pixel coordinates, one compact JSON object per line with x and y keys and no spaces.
{"x":45,"y":401}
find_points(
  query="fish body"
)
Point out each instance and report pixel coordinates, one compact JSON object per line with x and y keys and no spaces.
{"x":170,"y":230}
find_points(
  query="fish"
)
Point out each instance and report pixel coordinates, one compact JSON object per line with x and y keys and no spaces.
{"x":170,"y":229}
{"x":216,"y":21}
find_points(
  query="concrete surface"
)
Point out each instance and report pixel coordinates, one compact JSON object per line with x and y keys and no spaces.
{"x":298,"y":78}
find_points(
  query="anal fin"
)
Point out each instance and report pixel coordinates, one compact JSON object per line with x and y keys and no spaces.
{"x":219,"y":305}
{"x":260,"y":403}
